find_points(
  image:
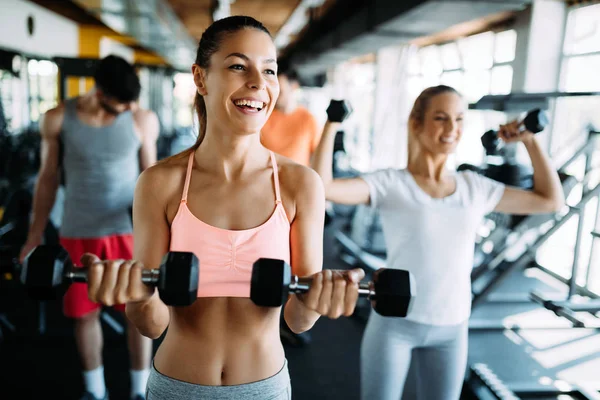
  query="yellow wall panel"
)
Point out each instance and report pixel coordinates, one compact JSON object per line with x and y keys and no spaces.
{"x":146,"y":57}
{"x":78,"y":86}
{"x":89,"y":47}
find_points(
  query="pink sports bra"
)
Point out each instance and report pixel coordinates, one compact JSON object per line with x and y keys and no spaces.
{"x":226,"y":256}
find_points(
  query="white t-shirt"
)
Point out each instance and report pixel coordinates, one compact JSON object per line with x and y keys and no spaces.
{"x":433,"y":238}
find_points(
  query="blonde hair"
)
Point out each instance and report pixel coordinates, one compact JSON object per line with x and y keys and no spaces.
{"x":419,"y":109}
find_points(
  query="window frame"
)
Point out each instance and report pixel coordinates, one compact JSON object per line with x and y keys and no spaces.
{"x":420,"y":75}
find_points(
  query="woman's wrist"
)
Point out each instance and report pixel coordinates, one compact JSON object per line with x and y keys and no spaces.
{"x":530,"y":141}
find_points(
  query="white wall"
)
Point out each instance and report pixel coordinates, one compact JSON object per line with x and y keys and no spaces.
{"x":393,"y":103}
{"x":549,"y":19}
{"x":540,"y":31}
{"x":53,"y":34}
{"x":522,"y":27}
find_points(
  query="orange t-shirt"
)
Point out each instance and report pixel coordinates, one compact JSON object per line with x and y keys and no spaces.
{"x":295,"y":135}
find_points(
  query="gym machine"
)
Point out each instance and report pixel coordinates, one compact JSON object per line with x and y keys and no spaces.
{"x":579,"y":307}
{"x":516,"y":102}
{"x":484,"y":383}
{"x":361,"y":241}
{"x":18,"y":156}
{"x":499,"y":270}
{"x":504,"y":229}
{"x":492,"y":266}
{"x":568,"y":307}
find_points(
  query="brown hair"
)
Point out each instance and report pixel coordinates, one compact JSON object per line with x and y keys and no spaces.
{"x":420,"y":107}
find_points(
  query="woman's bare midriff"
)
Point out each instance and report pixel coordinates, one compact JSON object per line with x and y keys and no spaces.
{"x":221,"y":341}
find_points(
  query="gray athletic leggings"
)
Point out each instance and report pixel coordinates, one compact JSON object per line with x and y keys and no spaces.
{"x":162,"y":387}
{"x":435,"y":355}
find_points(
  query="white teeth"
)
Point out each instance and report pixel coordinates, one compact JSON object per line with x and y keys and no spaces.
{"x":448,"y":140}
{"x":254,"y":104}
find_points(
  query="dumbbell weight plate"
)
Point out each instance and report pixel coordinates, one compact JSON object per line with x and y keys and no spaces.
{"x":270,"y":281}
{"x":45,"y":280}
{"x":178,"y":284}
{"x":395,"y":291}
{"x":536,"y":120}
{"x":490,"y":142}
{"x":338,"y":110}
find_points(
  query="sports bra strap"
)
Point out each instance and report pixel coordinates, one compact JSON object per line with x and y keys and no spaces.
{"x":188,"y":176}
{"x":276,"y":178}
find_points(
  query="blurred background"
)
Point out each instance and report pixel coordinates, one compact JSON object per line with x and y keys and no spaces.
{"x":506,"y":57}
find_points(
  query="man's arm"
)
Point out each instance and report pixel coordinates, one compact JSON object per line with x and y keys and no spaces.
{"x":316,"y":134}
{"x":47,"y":182}
{"x":147,"y":123}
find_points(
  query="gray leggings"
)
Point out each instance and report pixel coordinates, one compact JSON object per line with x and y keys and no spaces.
{"x":276,"y":387}
{"x":435,"y":355}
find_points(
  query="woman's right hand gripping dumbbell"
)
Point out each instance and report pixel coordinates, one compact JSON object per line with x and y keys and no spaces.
{"x":113,"y":282}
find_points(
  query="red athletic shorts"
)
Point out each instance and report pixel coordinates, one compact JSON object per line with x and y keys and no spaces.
{"x":76,"y":302}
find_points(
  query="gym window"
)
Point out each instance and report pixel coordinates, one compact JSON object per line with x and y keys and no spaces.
{"x":579,"y":73}
{"x":475,"y":65}
{"x":184,"y":92}
{"x":11,"y":101}
{"x":359,"y":79}
{"x":43,"y":87}
{"x":573,"y":118}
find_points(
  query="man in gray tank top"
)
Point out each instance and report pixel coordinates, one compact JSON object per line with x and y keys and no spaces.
{"x":107,"y":140}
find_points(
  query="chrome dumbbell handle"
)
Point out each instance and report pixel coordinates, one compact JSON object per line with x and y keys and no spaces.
{"x":80,"y":275}
{"x":302,"y":285}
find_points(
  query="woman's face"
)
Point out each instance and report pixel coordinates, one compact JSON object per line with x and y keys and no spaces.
{"x":240,"y":88}
{"x":442,"y":126}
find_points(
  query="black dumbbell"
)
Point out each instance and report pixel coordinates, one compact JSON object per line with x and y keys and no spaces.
{"x":470,"y":167}
{"x":391,"y":291}
{"x":48,"y":270}
{"x":535,"y":121}
{"x":338,"y":111}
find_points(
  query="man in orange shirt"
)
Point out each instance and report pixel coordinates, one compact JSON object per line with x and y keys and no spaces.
{"x":291,"y":130}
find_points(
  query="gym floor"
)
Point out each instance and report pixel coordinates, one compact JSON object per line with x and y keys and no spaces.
{"x":40,"y":366}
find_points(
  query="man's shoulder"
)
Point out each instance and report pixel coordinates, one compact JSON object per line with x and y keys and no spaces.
{"x":308,"y":120}
{"x":52,"y":120}
{"x":56,"y":112}
{"x":143,"y":115}
{"x":147,"y":121}
{"x":305,"y":112}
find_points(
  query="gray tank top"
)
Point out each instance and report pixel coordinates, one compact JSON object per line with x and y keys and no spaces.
{"x":101,"y":168}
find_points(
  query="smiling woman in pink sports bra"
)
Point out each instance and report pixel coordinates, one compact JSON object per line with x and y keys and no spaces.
{"x":230,"y":201}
